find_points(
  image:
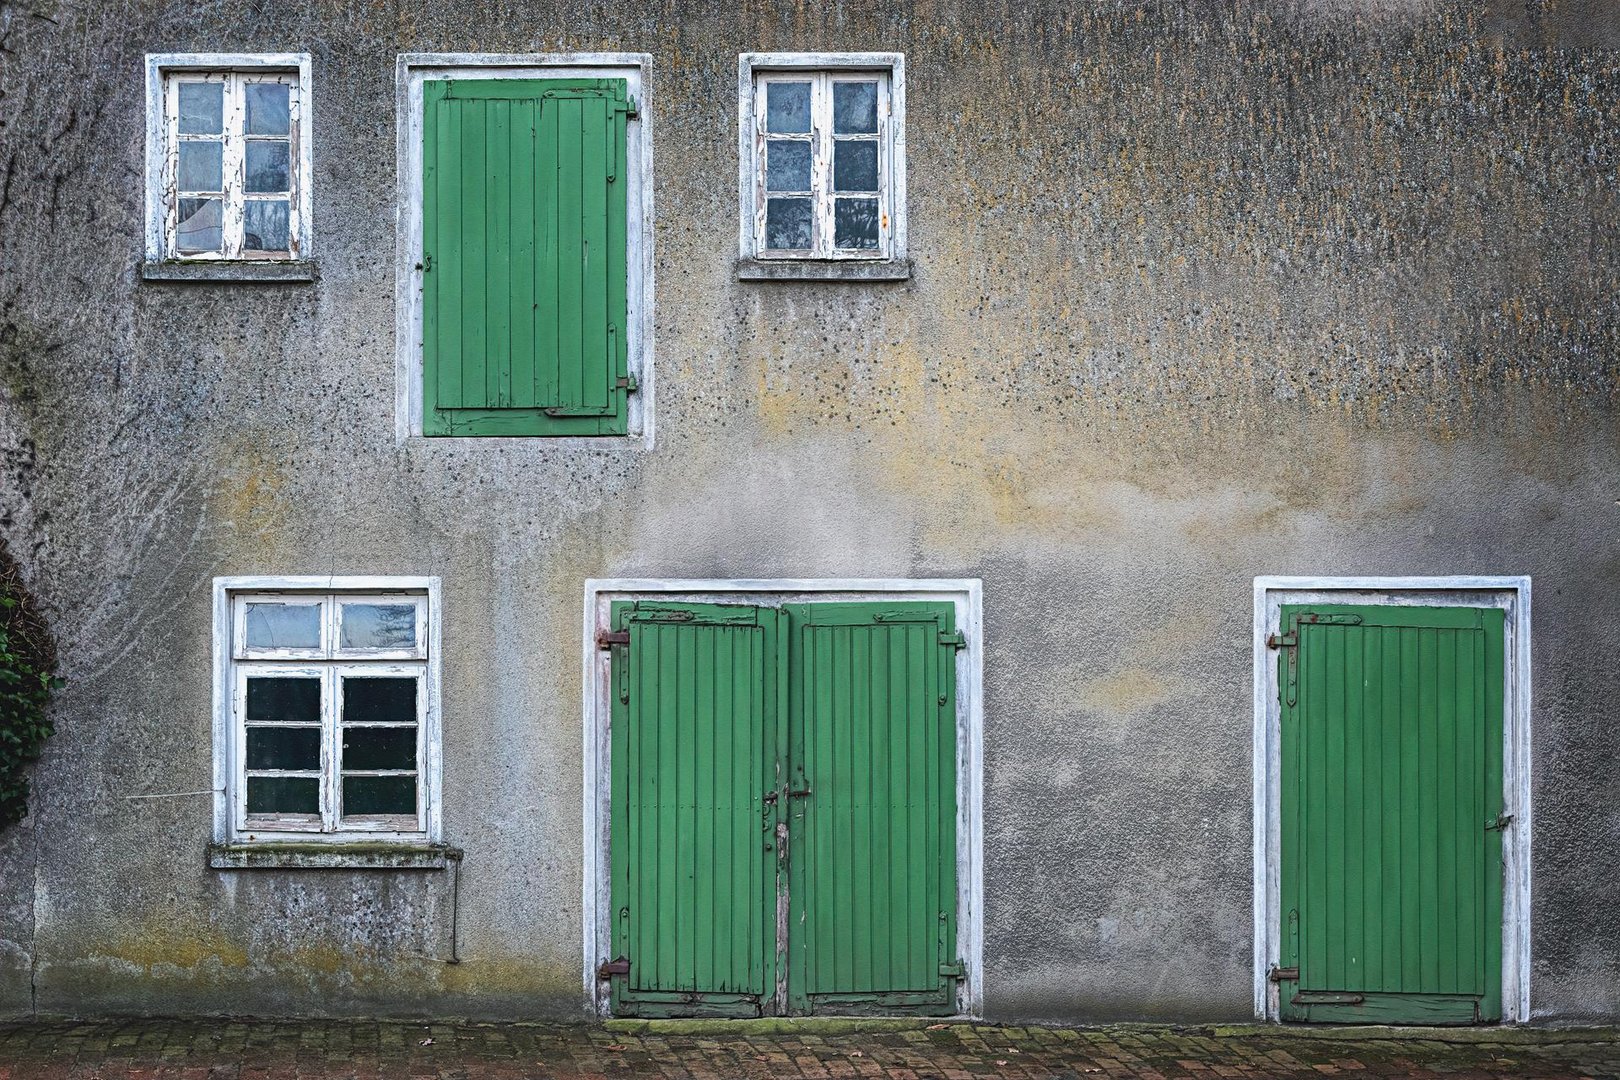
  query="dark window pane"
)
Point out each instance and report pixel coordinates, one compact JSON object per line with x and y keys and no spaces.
{"x":787,"y":165}
{"x":855,"y":165}
{"x":283,"y":795}
{"x":378,"y":626}
{"x":202,"y":108}
{"x":297,"y":749}
{"x":264,"y":225}
{"x":283,"y":626}
{"x":787,"y":107}
{"x":379,"y":748}
{"x":787,"y":224}
{"x":372,"y":795}
{"x":267,"y":164}
{"x":854,"y":108}
{"x":379,"y":700}
{"x":202,"y":166}
{"x":297,"y":700}
{"x":855,"y":224}
{"x":200,"y":227}
{"x":266,"y":109}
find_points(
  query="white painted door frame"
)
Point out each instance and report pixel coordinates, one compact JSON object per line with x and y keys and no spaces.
{"x":1512,"y":594}
{"x":966,"y":594}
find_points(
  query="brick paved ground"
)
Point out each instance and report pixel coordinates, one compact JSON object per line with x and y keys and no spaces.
{"x":262,"y":1050}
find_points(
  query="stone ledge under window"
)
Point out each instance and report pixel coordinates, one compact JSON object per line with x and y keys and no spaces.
{"x":823,"y":270}
{"x":232,"y":270}
{"x":360,"y":855}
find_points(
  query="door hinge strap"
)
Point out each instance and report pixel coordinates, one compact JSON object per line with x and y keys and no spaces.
{"x":1499,"y":823}
{"x":1284,"y":974}
{"x":953,"y":638}
{"x":953,"y":969}
{"x":627,"y":383}
{"x":619,"y":965}
{"x":1311,"y":997}
{"x":606,"y":639}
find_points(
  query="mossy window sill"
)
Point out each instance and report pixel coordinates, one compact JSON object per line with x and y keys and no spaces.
{"x":823,"y":270}
{"x":356,"y":856}
{"x":245,"y":270}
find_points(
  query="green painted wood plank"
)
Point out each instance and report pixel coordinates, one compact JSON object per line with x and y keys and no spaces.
{"x":518,"y":388}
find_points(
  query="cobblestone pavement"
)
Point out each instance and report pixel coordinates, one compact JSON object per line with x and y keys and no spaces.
{"x":265,"y":1050}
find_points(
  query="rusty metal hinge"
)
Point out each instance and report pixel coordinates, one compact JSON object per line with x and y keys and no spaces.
{"x":606,"y":639}
{"x":1313,"y":997}
{"x":1289,"y":640}
{"x":953,"y":969}
{"x":627,"y":383}
{"x":1283,"y":974}
{"x":954,"y":638}
{"x":1501,"y":822}
{"x":619,"y":965}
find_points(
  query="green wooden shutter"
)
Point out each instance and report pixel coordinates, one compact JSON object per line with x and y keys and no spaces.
{"x":524,"y":311}
{"x":1391,"y":875}
{"x":693,"y":820}
{"x":873,"y":734}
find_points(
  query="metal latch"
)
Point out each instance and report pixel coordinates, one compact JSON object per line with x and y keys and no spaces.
{"x":1284,"y":974}
{"x":619,"y":965}
{"x":1502,"y":821}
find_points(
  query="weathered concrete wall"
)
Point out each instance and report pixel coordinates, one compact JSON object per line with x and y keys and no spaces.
{"x":1202,"y":292}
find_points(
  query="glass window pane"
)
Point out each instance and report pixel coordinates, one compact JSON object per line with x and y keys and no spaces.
{"x":265,"y":225}
{"x":787,"y":224}
{"x":202,"y":108}
{"x":855,"y":165}
{"x":787,"y":165}
{"x":283,"y":795}
{"x":200,"y":226}
{"x":855,"y":224}
{"x":295,"y":700}
{"x":266,"y":108}
{"x":267,"y":165}
{"x":202,"y":166}
{"x":297,"y":748}
{"x":787,"y":107}
{"x":283,"y":626}
{"x":377,"y":626}
{"x":854,"y":108}
{"x":379,"y":700}
{"x":379,"y":748}
{"x":372,"y":795}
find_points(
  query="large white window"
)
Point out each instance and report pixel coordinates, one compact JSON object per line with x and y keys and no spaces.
{"x":228,"y":164}
{"x":823,"y":161}
{"x":329,"y":718}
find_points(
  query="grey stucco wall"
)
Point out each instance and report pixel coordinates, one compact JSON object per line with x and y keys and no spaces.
{"x":1202,"y":292}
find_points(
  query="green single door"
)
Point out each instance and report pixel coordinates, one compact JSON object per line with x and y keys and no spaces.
{"x":1391,"y":875}
{"x":695,"y":745}
{"x":872,"y":708}
{"x":783,"y":809}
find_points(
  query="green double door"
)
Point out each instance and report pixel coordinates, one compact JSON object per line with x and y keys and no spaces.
{"x":1391,"y":814}
{"x":783,"y":823}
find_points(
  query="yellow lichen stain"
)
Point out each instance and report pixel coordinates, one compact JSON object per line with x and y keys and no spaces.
{"x":158,"y":948}
{"x":497,"y":975}
{"x":1127,"y":691}
{"x":252,"y":494}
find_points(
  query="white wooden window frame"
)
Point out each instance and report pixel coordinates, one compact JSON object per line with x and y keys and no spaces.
{"x":1512,"y":594}
{"x":822,"y":70}
{"x":234,"y":663}
{"x":164,"y":73}
{"x":966,"y":594}
{"x":414,"y":69}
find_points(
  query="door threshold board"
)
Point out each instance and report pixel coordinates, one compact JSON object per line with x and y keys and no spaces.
{"x":780,"y":1025}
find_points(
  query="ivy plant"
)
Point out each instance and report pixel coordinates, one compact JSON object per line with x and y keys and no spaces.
{"x":27,"y":677}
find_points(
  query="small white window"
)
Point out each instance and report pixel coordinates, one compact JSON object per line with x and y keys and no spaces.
{"x":823,"y":163}
{"x":228,"y":164}
{"x":329,"y":713}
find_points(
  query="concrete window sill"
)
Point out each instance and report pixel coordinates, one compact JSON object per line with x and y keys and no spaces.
{"x":355,"y":856}
{"x":217,"y":270}
{"x":823,"y":270}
